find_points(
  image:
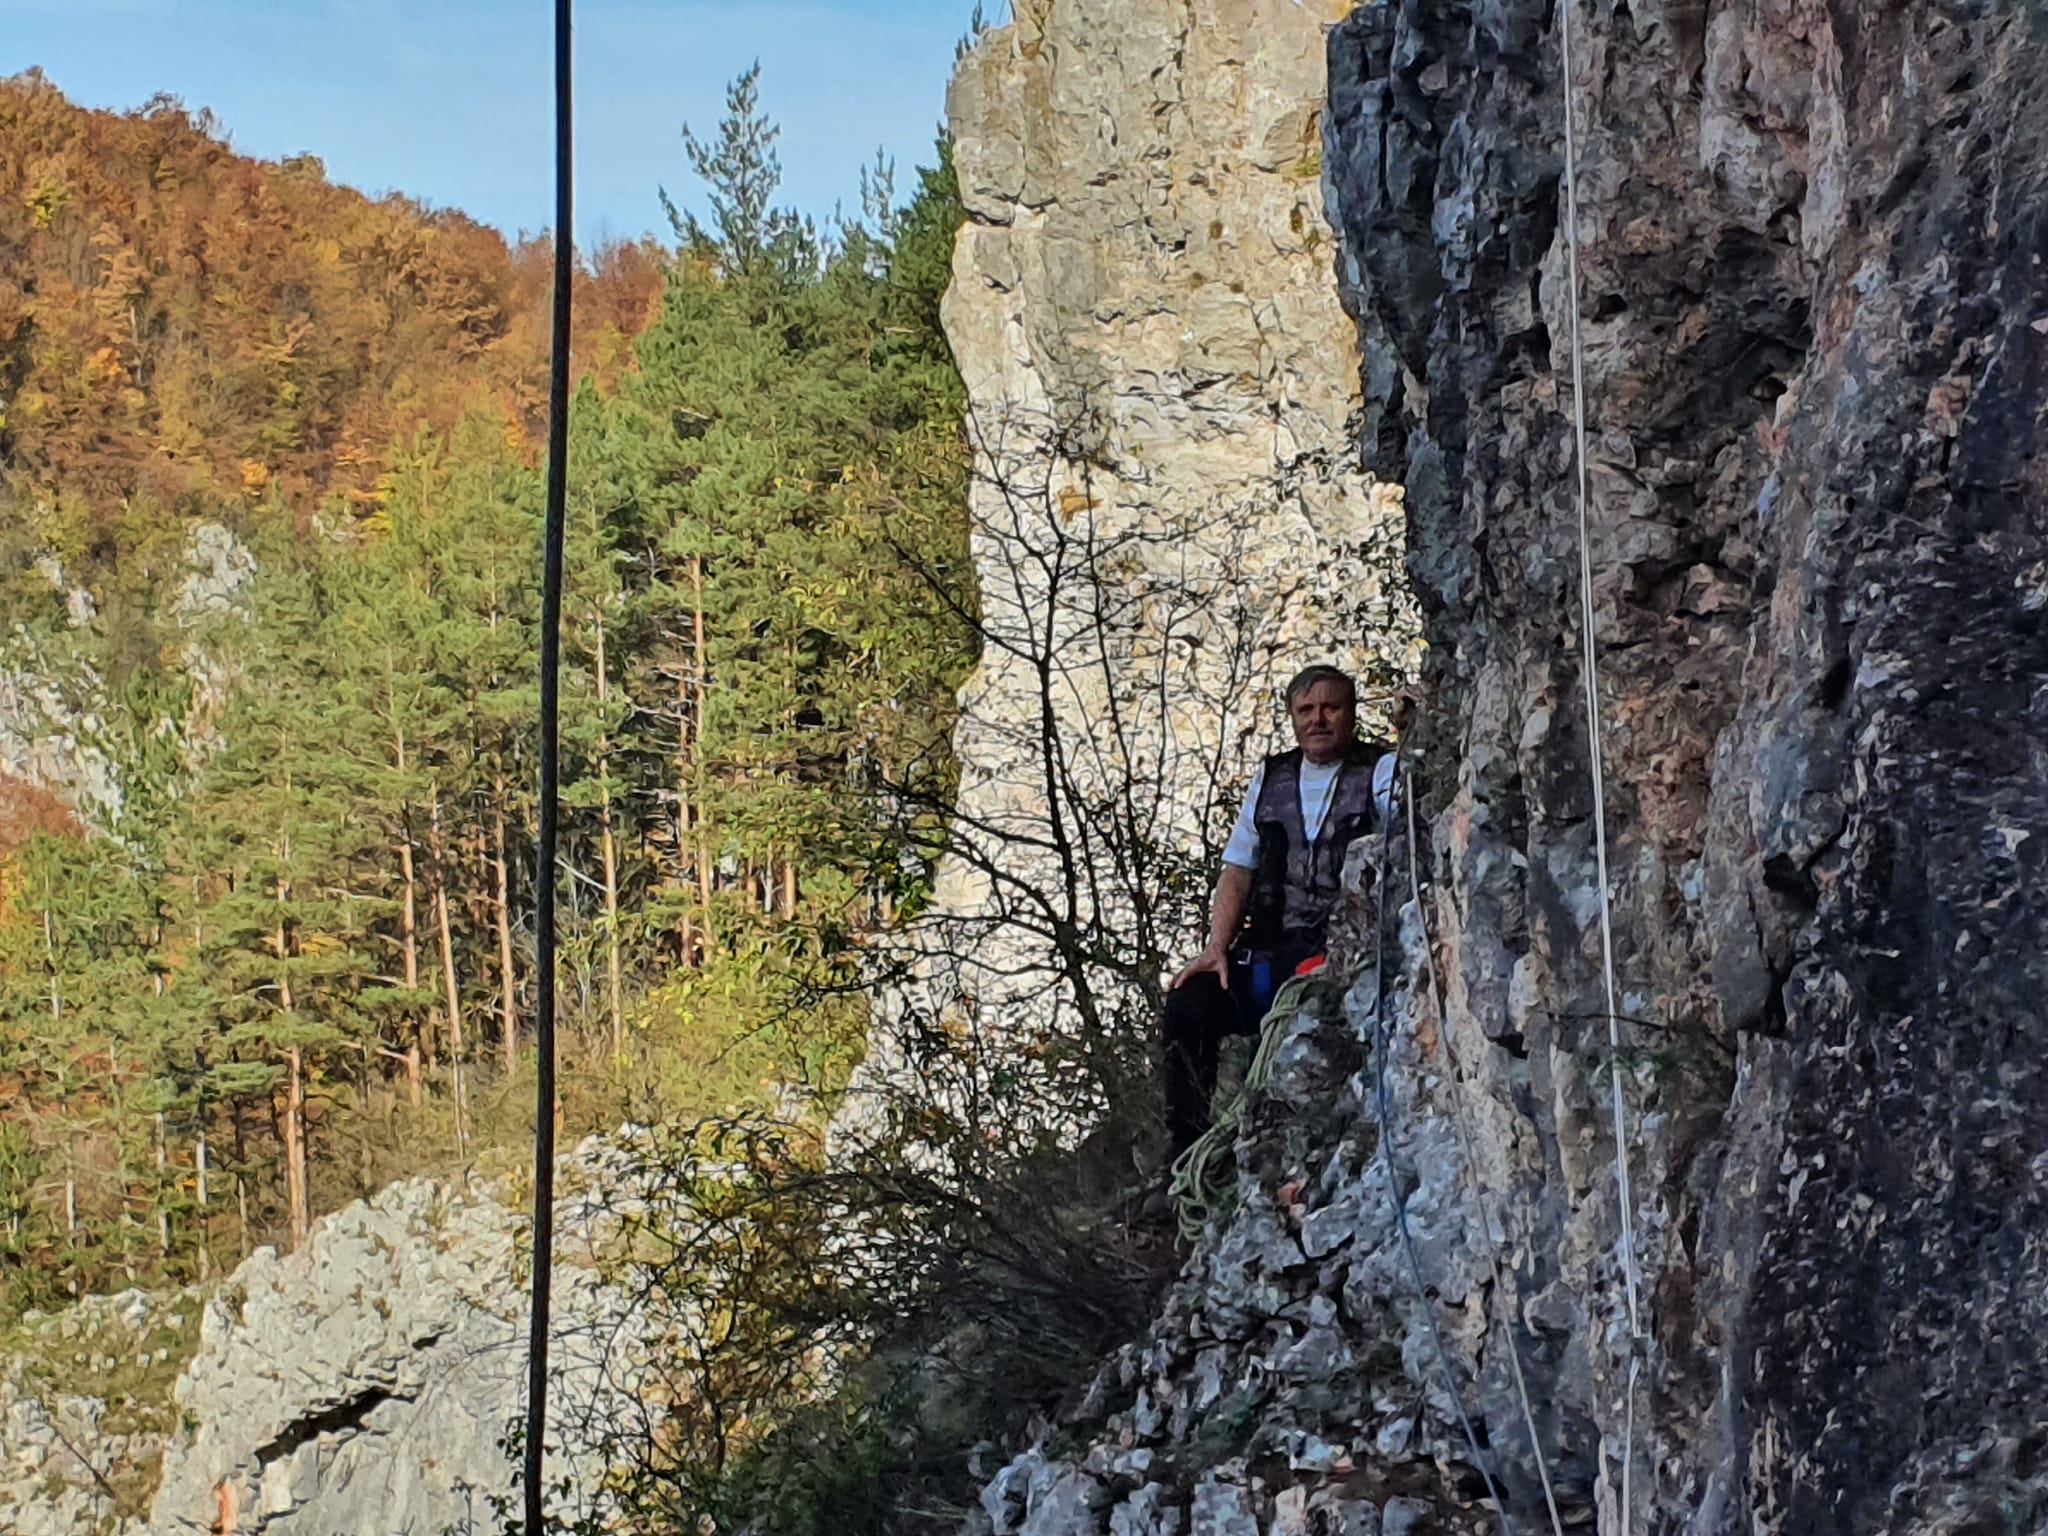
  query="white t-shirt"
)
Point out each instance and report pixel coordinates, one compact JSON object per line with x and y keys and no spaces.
{"x":1318,"y":783}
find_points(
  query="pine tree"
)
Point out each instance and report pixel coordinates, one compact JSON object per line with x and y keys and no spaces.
{"x":277,"y":857}
{"x":398,"y":712}
{"x":308,"y":902}
{"x":595,"y":713}
{"x":749,"y":235}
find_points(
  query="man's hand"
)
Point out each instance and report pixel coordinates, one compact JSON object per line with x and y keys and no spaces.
{"x":1226,"y":918}
{"x":1213,"y":959}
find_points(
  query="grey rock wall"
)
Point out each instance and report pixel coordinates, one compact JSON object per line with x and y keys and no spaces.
{"x":85,"y":1410}
{"x":368,"y":1382}
{"x":1815,"y":331}
{"x":1814,"y":293}
{"x":55,"y":703}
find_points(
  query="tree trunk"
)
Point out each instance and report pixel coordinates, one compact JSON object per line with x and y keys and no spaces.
{"x":683,"y":872}
{"x":608,"y":849}
{"x":50,"y":958}
{"x":699,"y":681}
{"x":508,"y":1001}
{"x":205,"y":1223}
{"x":163,"y":1216}
{"x":451,"y":987}
{"x":409,"y":940}
{"x":298,"y":1219}
{"x":409,"y":956}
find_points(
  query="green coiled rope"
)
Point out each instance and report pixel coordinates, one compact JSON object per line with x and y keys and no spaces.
{"x":1202,"y":1188}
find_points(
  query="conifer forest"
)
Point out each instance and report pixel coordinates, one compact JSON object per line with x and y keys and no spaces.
{"x":270,"y":492}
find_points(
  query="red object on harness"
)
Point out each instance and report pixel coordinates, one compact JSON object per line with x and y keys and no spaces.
{"x":1311,"y":965}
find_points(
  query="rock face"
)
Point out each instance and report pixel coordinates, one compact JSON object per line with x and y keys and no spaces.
{"x":1160,"y":374}
{"x":1169,"y":517}
{"x":85,"y":1409}
{"x":1293,"y":1384}
{"x":1814,"y":297}
{"x":367,"y":1383}
{"x":362,"y":1385}
{"x":1815,"y":329}
{"x":55,"y":704}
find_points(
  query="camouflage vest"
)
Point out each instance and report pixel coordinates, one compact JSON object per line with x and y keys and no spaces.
{"x":1297,"y":881}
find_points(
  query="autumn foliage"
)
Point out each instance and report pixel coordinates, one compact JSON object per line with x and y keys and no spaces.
{"x":270,"y":513}
{"x":181,"y":324}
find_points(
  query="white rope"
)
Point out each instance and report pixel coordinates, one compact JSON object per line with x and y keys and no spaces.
{"x":1589,"y":638}
{"x":1437,"y":998}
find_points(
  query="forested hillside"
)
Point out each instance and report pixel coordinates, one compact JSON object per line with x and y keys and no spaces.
{"x":289,"y":959}
{"x":183,"y":328}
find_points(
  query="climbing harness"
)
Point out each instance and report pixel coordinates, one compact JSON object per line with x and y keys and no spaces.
{"x":1440,"y":1003}
{"x":1632,"y":1280}
{"x":535,"y":1447}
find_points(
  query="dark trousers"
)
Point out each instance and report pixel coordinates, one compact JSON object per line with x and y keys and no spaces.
{"x":1198,"y":1017}
{"x":1201,"y":1014}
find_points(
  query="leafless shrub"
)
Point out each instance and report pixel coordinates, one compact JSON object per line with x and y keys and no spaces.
{"x":844,"y":1313}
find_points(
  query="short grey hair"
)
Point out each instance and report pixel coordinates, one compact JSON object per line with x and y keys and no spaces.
{"x":1308,"y":677}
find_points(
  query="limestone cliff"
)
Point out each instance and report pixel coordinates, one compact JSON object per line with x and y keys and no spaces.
{"x":368,"y":1382}
{"x":1154,"y":354}
{"x":55,"y":703}
{"x":1814,"y":340}
{"x":85,"y":1408}
{"x":1169,"y":516}
{"x":365,"y":1384}
{"x":1814,"y":289}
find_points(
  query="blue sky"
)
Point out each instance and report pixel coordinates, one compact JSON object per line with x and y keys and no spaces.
{"x":448,"y":100}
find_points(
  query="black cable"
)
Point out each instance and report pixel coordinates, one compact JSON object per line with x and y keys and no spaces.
{"x":550,"y":787}
{"x":1382,"y":1102}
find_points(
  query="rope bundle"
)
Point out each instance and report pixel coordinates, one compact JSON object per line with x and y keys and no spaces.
{"x":1201,"y":1189}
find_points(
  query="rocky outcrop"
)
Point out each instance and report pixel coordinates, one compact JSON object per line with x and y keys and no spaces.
{"x":1813,"y":343}
{"x":1158,"y":370}
{"x":1813,"y":350}
{"x":56,"y":704}
{"x":85,"y":1407}
{"x":1297,"y":1382}
{"x":369,"y":1382}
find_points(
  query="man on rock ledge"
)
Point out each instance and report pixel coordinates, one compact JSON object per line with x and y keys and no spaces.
{"x":1281,"y":880}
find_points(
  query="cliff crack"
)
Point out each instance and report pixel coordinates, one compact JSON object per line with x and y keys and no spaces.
{"x":349,"y":1415}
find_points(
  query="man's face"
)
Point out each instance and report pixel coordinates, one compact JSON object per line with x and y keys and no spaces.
{"x":1325,"y":720}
